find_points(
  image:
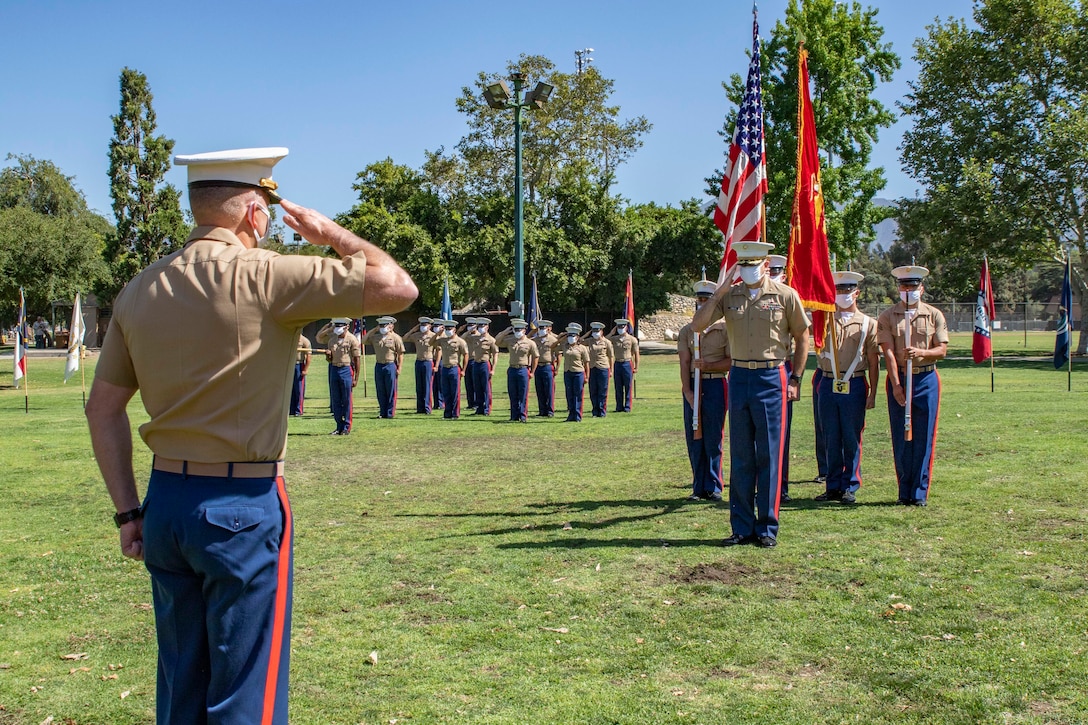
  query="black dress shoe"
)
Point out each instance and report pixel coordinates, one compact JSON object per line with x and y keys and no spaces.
{"x":901,"y":502}
{"x":738,"y":540}
{"x":918,"y":502}
{"x":713,"y":497}
{"x":848,"y":497}
{"x":767,"y":542}
{"x":829,"y":496}
{"x":694,"y":497}
{"x":785,"y":498}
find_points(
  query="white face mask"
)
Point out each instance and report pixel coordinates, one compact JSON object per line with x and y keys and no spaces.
{"x":340,"y":329}
{"x":571,"y":339}
{"x":751,"y":275}
{"x":262,"y":240}
{"x":780,"y":278}
{"x":424,"y":328}
{"x":386,"y":329}
{"x":844,"y":301}
{"x":596,"y":334}
{"x":910,"y":297}
{"x":471,"y":329}
{"x":621,"y":331}
{"x":449,"y":332}
{"x":519,"y":334}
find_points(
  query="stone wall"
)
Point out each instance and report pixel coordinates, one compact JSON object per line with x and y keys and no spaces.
{"x":678,"y":314}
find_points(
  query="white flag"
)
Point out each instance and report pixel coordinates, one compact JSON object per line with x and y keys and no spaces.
{"x":75,"y":340}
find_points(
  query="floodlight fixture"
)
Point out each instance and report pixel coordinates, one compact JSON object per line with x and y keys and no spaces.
{"x":539,"y":95}
{"x":497,"y":94}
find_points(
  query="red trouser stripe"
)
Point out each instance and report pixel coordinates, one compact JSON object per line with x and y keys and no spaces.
{"x":279,"y":612}
{"x":933,"y":440}
{"x":781,"y":437}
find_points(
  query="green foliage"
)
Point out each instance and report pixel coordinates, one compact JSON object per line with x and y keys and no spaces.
{"x":50,"y":242}
{"x":1000,"y":139}
{"x":846,"y":62}
{"x":149,"y":219}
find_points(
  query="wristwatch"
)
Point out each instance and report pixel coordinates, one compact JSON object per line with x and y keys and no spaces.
{"x":795,"y":379}
{"x":126,"y":516}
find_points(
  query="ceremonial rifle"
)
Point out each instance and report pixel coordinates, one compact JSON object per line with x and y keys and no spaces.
{"x":908,"y":433}
{"x":697,"y":397}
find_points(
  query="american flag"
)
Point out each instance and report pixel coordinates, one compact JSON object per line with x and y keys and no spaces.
{"x":739,"y":210}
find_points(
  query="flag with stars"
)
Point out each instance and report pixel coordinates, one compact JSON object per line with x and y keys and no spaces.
{"x":739,"y":210}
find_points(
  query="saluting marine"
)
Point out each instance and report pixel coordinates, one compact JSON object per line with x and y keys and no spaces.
{"x":215,"y":530}
{"x":544,"y":379}
{"x":712,"y":367}
{"x":625,"y":351}
{"x":388,"y":357}
{"x":761,"y":317}
{"x":575,"y":363}
{"x":454,"y":356}
{"x":483,"y":353}
{"x":298,"y":384}
{"x":342,"y":351}
{"x":847,"y":388}
{"x":421,"y":336}
{"x":524,"y":357}
{"x":601,"y":360}
{"x":912,"y":333}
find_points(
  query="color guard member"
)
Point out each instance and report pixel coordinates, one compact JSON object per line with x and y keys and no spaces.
{"x":761,"y":317}
{"x":927,"y":343}
{"x":215,"y":529}
{"x":625,"y":349}
{"x":845,"y":391}
{"x":421,"y":336}
{"x":342,"y":351}
{"x":544,"y":380}
{"x":454,"y":357}
{"x":388,"y":358}
{"x":298,"y":384}
{"x":712,"y":367}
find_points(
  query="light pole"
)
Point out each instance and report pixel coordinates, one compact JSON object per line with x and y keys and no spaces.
{"x":498,"y":96}
{"x":582,"y":59}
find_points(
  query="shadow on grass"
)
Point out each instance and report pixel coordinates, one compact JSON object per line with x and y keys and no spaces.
{"x":627,"y":543}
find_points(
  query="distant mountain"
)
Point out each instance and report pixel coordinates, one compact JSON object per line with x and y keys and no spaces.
{"x":887,"y":231}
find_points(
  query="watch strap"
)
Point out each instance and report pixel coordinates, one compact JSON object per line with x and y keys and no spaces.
{"x":125,"y":517}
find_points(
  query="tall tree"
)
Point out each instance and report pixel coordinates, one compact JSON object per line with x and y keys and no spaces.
{"x":148,"y":214}
{"x":847,"y":60}
{"x":50,"y":242}
{"x":1000,"y":139}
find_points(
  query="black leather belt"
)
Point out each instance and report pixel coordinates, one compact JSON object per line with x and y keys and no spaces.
{"x":858,"y":374}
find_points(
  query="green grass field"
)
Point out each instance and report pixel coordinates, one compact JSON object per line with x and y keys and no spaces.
{"x":551,"y":572}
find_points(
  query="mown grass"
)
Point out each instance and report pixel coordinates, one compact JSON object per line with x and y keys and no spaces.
{"x":550,"y":572}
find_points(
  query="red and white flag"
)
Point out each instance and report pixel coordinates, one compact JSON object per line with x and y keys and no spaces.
{"x":629,"y":305}
{"x":20,"y":340}
{"x":739,"y":213}
{"x":981,"y":344}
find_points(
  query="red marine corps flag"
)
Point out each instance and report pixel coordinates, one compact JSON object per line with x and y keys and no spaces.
{"x":809,"y":270}
{"x":981,"y":344}
{"x":739,"y":213}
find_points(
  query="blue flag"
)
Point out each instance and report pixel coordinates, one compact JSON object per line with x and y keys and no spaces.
{"x":447,"y":308}
{"x":1065,"y":322}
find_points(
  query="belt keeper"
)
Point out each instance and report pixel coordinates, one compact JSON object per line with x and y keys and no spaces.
{"x":185,"y":469}
{"x":230,"y":470}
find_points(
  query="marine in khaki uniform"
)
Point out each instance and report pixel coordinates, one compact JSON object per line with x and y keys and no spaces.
{"x":343,"y":352}
{"x":454,"y":358}
{"x":437,"y":401}
{"x":484,"y":353}
{"x":544,"y":379}
{"x":215,"y":530}
{"x":601,"y":361}
{"x":467,"y":332}
{"x":762,"y":318}
{"x":421,"y":336}
{"x":302,"y":366}
{"x":625,"y":349}
{"x":712,"y":367}
{"x":524,"y":356}
{"x":575,"y":365}
{"x":928,"y":343}
{"x":388,"y":356}
{"x":848,"y":386}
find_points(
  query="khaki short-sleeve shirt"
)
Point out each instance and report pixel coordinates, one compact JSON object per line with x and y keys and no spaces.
{"x":927,"y":328}
{"x":387,"y":348}
{"x":575,"y":357}
{"x":600,"y":353}
{"x":625,"y":347}
{"x":305,"y":349}
{"x":222,"y":402}
{"x":523,"y":352}
{"x":484,"y":350}
{"x":546,"y":346}
{"x":422,"y":341}
{"x":454,"y":350}
{"x":849,"y":338}
{"x":761,"y":328}
{"x":713,"y":343}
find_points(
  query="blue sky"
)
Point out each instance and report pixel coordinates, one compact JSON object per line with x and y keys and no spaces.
{"x":343,"y":84}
